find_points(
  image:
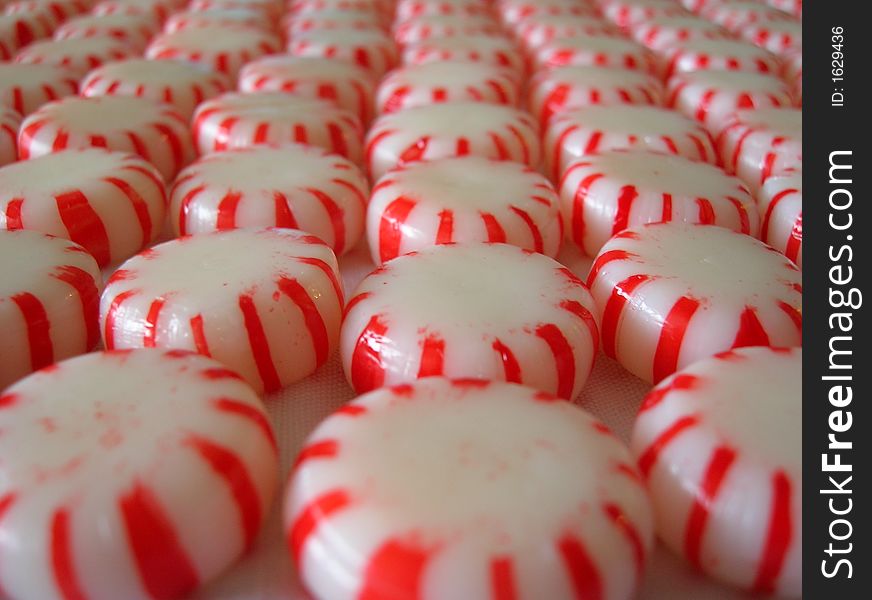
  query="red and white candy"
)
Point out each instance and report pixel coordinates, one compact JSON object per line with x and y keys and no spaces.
{"x":544,"y":501}
{"x":490,"y":49}
{"x":515,"y":12}
{"x":780,"y":203}
{"x":627,"y":13}
{"x":112,"y":204}
{"x":720,"y":54}
{"x":323,"y":194}
{"x":603,"y":195}
{"x":246,"y":17}
{"x":543,"y":29}
{"x":78,"y":55}
{"x":421,"y":28}
{"x":267,"y":303}
{"x":56,"y":10}
{"x":372,"y":50}
{"x":10,"y":121}
{"x":596,"y":51}
{"x":669,"y":294}
{"x":451,"y":310}
{"x":27,"y":87}
{"x":460,"y":200}
{"x":275,"y":118}
{"x":157,"y":9}
{"x":155,"y":131}
{"x":720,"y":446}
{"x":133,"y":30}
{"x":450,"y":81}
{"x":775,"y":36}
{"x":735,"y":15}
{"x":454,"y":129}
{"x":759,"y":143}
{"x":660,"y":33}
{"x":182,"y":85}
{"x":145,"y":475}
{"x":21,"y":29}
{"x":295,"y":24}
{"x":407,"y":9}
{"x":49,"y":296}
{"x":575,"y":133}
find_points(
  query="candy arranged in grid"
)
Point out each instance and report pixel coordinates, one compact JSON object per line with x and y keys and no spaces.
{"x":444,"y":26}
{"x":10,"y":121}
{"x":669,"y":294}
{"x":265,"y":302}
{"x":575,"y":133}
{"x":719,"y":439}
{"x":79,"y":55}
{"x":224,"y":48}
{"x":566,"y":519}
{"x":372,"y":50}
{"x":596,"y":51}
{"x":192,"y":459}
{"x":756,"y":144}
{"x":154,"y":131}
{"x":720,"y":54}
{"x":603,"y":195}
{"x":450,"y":81}
{"x":627,"y":13}
{"x":450,"y":310}
{"x":453,"y":129}
{"x":182,"y":85}
{"x":547,"y":28}
{"x":343,"y":83}
{"x":464,"y":199}
{"x":133,"y":30}
{"x":245,"y":17}
{"x":780,"y":202}
{"x":112,"y":204}
{"x":515,"y":12}
{"x":323,"y":194}
{"x":712,"y":97}
{"x":660,"y":33}
{"x":489,"y":49}
{"x":275,"y":118}
{"x":564,"y":88}
{"x":48,"y":303}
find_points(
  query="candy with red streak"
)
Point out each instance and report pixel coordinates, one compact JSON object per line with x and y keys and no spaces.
{"x":712,"y":96}
{"x":270,"y":8}
{"x":155,"y":131}
{"x":793,"y":7}
{"x":323,"y":194}
{"x":133,"y":30}
{"x":719,"y":54}
{"x":158,"y":9}
{"x":382,"y":8}
{"x":182,"y":85}
{"x":544,"y":502}
{"x":241,"y":120}
{"x":515,"y":12}
{"x":780,"y":203}
{"x":546,"y":28}
{"x":293,"y":25}
{"x":224,"y":48}
{"x":112,"y":204}
{"x":738,"y":14}
{"x":57,"y":11}
{"x":575,"y":133}
{"x":345,"y":84}
{"x":19,"y":30}
{"x":407,"y":9}
{"x":10,"y":121}
{"x":48,"y":303}
{"x":759,"y":143}
{"x":421,"y":28}
{"x":661,"y":32}
{"x":775,"y":36}
{"x":491,"y":49}
{"x":147,"y":474}
{"x":564,"y":88}
{"x":461,"y":200}
{"x":720,"y":446}
{"x":605,"y":194}
{"x":627,"y":13}
{"x":449,"y":81}
{"x":372,"y":50}
{"x":669,"y":294}
{"x":78,"y":55}
{"x":452,"y":310}
{"x":218,"y":17}
{"x":452,"y":129}
{"x":596,"y":51}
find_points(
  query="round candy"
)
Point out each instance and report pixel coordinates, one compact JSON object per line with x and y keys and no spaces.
{"x":541,"y":29}
{"x":112,"y":204}
{"x":224,"y":48}
{"x":605,"y":194}
{"x":346,"y":85}
{"x":627,"y":13}
{"x":780,"y":202}
{"x":10,"y":121}
{"x":154,"y":131}
{"x":454,"y":310}
{"x":78,"y":55}
{"x":515,"y":12}
{"x":490,"y":49}
{"x":19,"y":30}
{"x":146,"y":474}
{"x":720,"y":445}
{"x":56,"y":10}
{"x":455,"y":129}
{"x":133,"y":30}
{"x":157,"y":9}
{"x":275,"y":118}
{"x":464,"y":199}
{"x":596,"y":51}
{"x":763,"y":142}
{"x":721,"y":54}
{"x":543,"y":500}
{"x":775,"y":36}
{"x":444,"y":26}
{"x":48,"y":303}
{"x":735,"y":15}
{"x":575,"y":133}
{"x":266,"y":303}
{"x":25,"y":88}
{"x":295,"y":24}
{"x":184,"y":86}
{"x":562,"y":88}
{"x":660,"y":33}
{"x":323,"y":194}
{"x":712,"y":96}
{"x":669,"y":294}
{"x":218,"y":17}
{"x":450,"y":81}
{"x":372,"y":50}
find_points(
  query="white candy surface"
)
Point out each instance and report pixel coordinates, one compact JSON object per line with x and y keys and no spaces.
{"x":27,"y":87}
{"x":79,"y":55}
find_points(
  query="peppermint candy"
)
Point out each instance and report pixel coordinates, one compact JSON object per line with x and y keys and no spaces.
{"x":490,"y":49}
{"x":720,"y":54}
{"x":659,"y":33}
{"x":133,"y":30}
{"x":596,"y":51}
{"x":78,"y":55}
{"x":780,"y":202}
{"x":759,"y":143}
{"x":373,"y":51}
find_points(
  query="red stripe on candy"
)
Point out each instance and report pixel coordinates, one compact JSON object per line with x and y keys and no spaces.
{"x":432,"y":356}
{"x":308,"y":519}
{"x":311,"y":315}
{"x":320,"y":449}
{"x":671,"y":337}
{"x":390,"y":231}
{"x":495,"y":232}
{"x":778,"y":536}
{"x":150,"y":335}
{"x":249,"y":412}
{"x":89,"y":296}
{"x":62,"y":557}
{"x":538,"y":243}
{"x":511,"y":368}
{"x":38,"y":329}
{"x":199,"y":335}
{"x":751,"y":331}
{"x":227,"y":211}
{"x":583,"y":572}
{"x":615,"y":307}
{"x":649,"y":457}
{"x":628,"y":530}
{"x":259,"y":345}
{"x":564,"y":359}
{"x":367,"y":370}
{"x":716,"y":471}
{"x":446,"y":227}
{"x":140,"y":207}
{"x":84,"y":225}
{"x":628,"y":194}
{"x":395,"y":570}
{"x":503,"y":579}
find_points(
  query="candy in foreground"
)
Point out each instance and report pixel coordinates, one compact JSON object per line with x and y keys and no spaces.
{"x":452,"y":310}
{"x":669,"y":294}
{"x":267,"y":303}
{"x":780,"y":203}
{"x":49,"y":296}
{"x":719,"y":445}
{"x":144,"y":474}
{"x":466,"y":489}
